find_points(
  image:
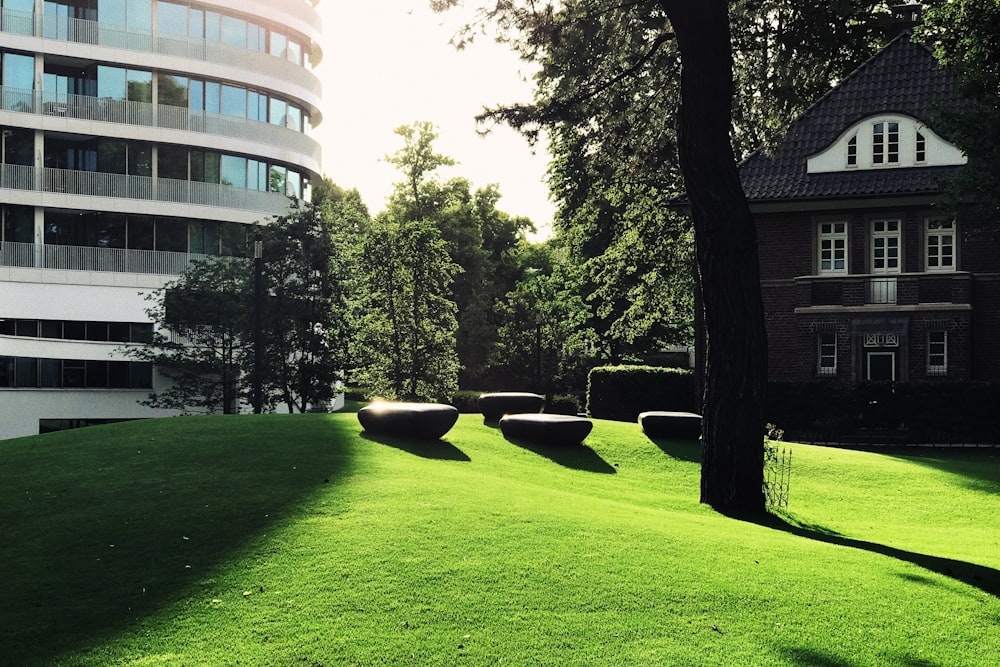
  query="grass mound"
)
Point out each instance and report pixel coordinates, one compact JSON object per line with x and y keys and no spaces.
{"x":284,"y":540}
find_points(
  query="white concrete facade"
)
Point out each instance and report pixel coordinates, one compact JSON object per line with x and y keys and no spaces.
{"x":137,"y":135}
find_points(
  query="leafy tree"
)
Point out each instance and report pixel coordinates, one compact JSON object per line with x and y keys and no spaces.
{"x":304,"y":323}
{"x":616,"y":79}
{"x":202,"y":339}
{"x":963,"y":34}
{"x":478,"y":237}
{"x":545,"y":344}
{"x":404,"y":342}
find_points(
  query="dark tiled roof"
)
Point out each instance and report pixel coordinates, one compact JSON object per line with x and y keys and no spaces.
{"x":904,"y":78}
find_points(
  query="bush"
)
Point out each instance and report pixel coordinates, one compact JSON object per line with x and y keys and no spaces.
{"x":466,"y":401}
{"x":357,"y":394}
{"x":620,"y":393}
{"x":914,"y":412}
{"x":563,"y":404}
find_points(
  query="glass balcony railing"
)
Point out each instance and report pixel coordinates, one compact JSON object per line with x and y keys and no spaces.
{"x":100,"y":184}
{"x":118,"y":37}
{"x":81,"y":258}
{"x":163,"y":116}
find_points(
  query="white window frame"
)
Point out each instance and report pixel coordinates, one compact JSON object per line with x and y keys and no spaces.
{"x":831,"y":248}
{"x":885,"y":142}
{"x":934,"y":240}
{"x":886,"y":236}
{"x":937,"y":352}
{"x":826,"y":354}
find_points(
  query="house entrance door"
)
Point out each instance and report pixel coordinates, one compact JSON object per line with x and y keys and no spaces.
{"x":880,"y":366}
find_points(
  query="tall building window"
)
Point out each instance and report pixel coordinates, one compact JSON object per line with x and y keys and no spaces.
{"x":832,"y":244}
{"x":827,"y":355}
{"x":885,"y":246}
{"x":939,"y":246}
{"x":937,"y":352}
{"x":852,"y":152}
{"x":920,"y":153}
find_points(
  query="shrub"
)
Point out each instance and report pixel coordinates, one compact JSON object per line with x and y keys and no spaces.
{"x":466,"y":401}
{"x":357,"y":394}
{"x":622,"y":392}
{"x":563,"y":404}
{"x":916,"y":412}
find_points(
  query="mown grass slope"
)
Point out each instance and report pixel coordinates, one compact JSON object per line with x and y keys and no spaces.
{"x":286,"y":540}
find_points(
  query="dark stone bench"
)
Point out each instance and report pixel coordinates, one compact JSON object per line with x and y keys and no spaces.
{"x":426,"y":421}
{"x":546,"y":428}
{"x":496,"y":405}
{"x":679,"y":425}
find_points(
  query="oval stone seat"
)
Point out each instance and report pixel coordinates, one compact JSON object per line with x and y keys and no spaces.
{"x":426,"y":421}
{"x":546,"y":429}
{"x":496,"y":405}
{"x":679,"y":425}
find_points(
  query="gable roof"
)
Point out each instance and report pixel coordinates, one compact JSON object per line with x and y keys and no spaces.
{"x":904,"y":78}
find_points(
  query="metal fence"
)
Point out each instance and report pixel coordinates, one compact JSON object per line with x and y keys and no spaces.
{"x":777,"y":475}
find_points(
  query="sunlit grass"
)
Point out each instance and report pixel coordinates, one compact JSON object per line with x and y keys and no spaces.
{"x":296,"y":540}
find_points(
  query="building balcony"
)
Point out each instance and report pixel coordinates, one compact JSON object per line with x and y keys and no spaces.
{"x":879,"y":291}
{"x":161,"y":116}
{"x":94,"y":33}
{"x":80,"y":258}
{"x":146,"y":188}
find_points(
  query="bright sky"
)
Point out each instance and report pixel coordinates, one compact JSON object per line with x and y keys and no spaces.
{"x":388,"y":63}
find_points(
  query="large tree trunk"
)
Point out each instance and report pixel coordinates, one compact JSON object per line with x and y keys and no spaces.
{"x":726,"y":246}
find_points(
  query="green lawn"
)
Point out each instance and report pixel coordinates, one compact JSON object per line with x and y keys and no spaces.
{"x":295,"y":540}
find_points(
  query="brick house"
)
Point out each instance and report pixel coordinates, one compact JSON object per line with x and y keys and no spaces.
{"x":864,"y":276}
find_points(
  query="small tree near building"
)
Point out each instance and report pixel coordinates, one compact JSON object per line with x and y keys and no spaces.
{"x":201,"y":341}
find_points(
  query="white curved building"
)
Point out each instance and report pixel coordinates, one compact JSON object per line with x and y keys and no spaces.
{"x":136,"y":136}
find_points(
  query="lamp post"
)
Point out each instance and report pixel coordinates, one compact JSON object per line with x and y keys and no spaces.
{"x":258,"y":351}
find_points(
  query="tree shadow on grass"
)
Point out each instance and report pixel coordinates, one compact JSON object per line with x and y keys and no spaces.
{"x":99,"y":529}
{"x":979,"y":467}
{"x":682,"y":450}
{"x":578,"y":457}
{"x":805,"y":656}
{"x":441,"y":450}
{"x":986,"y":579}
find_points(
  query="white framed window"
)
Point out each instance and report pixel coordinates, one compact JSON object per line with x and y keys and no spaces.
{"x":937,"y":352}
{"x":939,"y":244}
{"x":885,"y":261}
{"x":852,"y":151}
{"x":885,"y":246}
{"x":832,"y":245}
{"x":885,"y":142}
{"x":920,"y":149}
{"x":826,"y":365}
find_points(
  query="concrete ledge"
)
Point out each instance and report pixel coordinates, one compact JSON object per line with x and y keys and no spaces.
{"x":496,"y":405}
{"x":679,"y":425}
{"x":546,"y":429}
{"x":426,"y":421}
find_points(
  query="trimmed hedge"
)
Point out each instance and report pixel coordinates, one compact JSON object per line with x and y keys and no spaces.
{"x":620,"y":393}
{"x":561,"y":404}
{"x":904,"y":413}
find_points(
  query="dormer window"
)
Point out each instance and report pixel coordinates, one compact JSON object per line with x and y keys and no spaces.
{"x":886,"y":141}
